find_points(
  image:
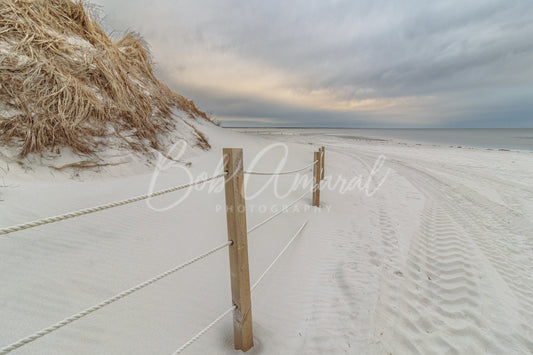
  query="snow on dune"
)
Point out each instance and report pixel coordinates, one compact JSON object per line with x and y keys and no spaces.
{"x":437,"y":260}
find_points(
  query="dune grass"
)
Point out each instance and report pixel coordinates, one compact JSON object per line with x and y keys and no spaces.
{"x":65,"y":83}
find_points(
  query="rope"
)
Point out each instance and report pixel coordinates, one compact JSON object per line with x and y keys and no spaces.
{"x":281,"y":173}
{"x":229,"y":310}
{"x":277,"y":257}
{"x":92,"y":309}
{"x":203,"y":331}
{"x":121,"y":295}
{"x":48,"y":220}
{"x":279,"y":212}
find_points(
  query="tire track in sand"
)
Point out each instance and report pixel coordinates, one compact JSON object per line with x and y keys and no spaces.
{"x":460,"y":235}
{"x":436,"y":305}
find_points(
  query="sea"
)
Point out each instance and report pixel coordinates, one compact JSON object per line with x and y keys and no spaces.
{"x":495,"y":138}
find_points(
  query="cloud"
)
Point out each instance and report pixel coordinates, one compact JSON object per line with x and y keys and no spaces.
{"x":376,"y":62}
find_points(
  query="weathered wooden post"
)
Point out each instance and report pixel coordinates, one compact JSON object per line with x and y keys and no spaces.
{"x":238,"y":251}
{"x":317,"y":173}
{"x":322,"y":165}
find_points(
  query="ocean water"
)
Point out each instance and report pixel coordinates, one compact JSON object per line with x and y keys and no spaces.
{"x":495,"y":138}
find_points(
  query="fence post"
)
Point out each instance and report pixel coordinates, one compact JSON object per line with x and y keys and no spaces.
{"x":316,"y":175}
{"x":238,"y":251}
{"x":322,"y":165}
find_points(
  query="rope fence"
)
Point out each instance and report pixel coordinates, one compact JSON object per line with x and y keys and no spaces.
{"x":282,"y":173}
{"x":278,"y":213}
{"x":237,"y":244}
{"x":102,"y":304}
{"x":203,"y":331}
{"x":279,"y":256}
{"x":220,"y":317}
{"x":86,"y":211}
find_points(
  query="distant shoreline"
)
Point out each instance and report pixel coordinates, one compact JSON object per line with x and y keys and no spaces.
{"x":489,"y":138}
{"x":369,"y":128}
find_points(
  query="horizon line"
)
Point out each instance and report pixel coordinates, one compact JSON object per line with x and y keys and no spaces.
{"x":345,"y":127}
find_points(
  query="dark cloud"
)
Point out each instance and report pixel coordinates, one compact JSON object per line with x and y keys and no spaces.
{"x":367,"y":62}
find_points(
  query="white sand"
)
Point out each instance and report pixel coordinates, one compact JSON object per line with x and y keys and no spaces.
{"x":438,"y":260}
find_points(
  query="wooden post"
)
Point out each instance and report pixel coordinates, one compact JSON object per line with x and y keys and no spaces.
{"x":316,"y":174}
{"x":238,"y":251}
{"x":322,"y":166}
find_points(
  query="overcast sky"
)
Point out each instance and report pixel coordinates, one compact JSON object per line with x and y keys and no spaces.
{"x":354,"y":63}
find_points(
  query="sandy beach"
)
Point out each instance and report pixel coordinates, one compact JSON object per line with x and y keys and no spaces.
{"x":162,"y":186}
{"x":429,"y":251}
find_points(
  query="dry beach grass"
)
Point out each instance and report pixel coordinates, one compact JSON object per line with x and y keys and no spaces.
{"x":65,"y":83}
